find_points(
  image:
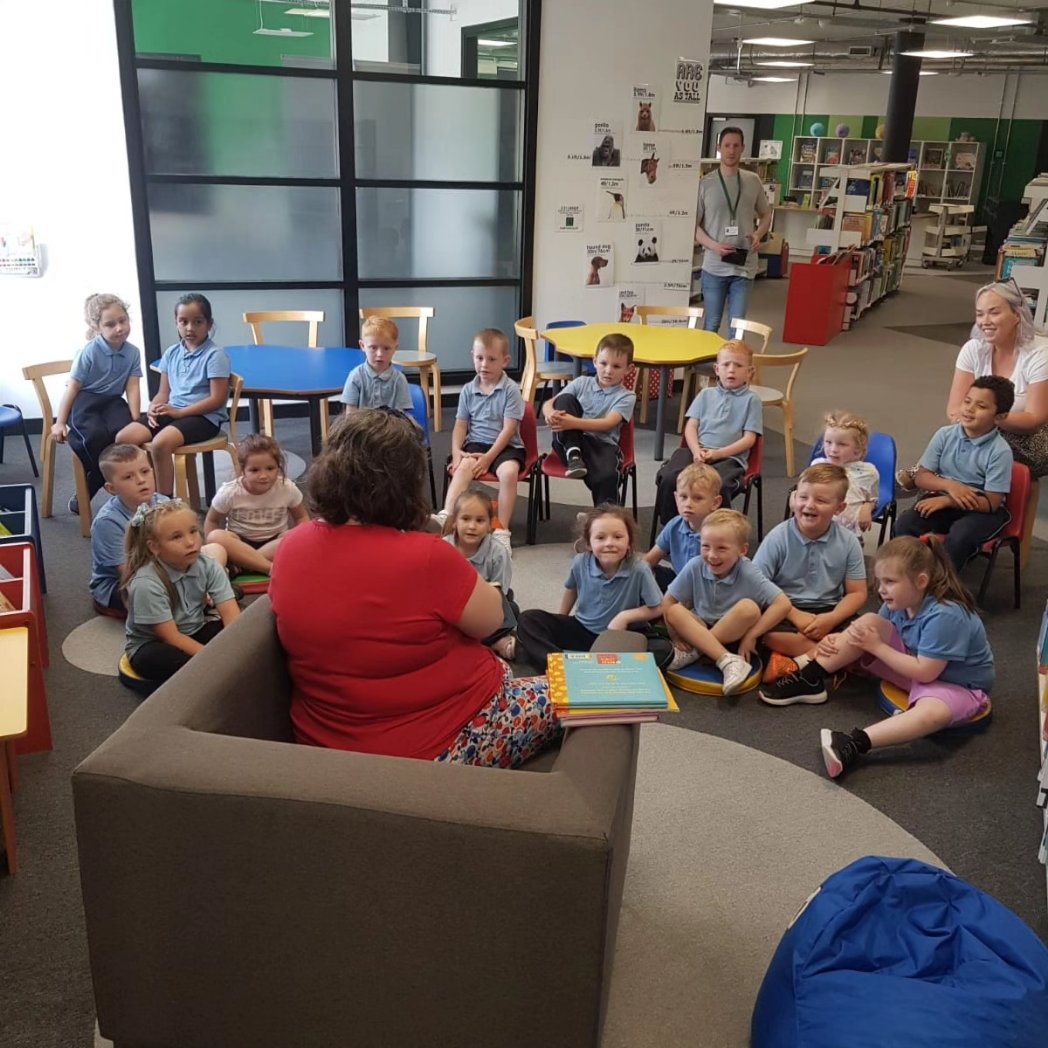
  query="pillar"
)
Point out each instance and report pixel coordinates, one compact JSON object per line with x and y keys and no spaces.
{"x":902,"y":97}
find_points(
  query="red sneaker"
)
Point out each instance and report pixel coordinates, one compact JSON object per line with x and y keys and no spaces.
{"x":778,"y":666}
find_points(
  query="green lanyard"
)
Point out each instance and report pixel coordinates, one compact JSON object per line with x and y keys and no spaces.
{"x":732,"y":208}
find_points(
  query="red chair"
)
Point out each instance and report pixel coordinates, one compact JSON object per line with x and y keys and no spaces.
{"x":528,"y":474}
{"x":552,"y":466}
{"x":1018,"y":502}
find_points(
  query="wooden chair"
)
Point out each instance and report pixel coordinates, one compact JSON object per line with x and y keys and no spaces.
{"x":187,"y":484}
{"x":312,"y":317}
{"x":739,"y":327}
{"x":774,"y":398}
{"x":36,"y":373}
{"x":536,"y":370}
{"x":694,"y":314}
{"x":424,"y":362}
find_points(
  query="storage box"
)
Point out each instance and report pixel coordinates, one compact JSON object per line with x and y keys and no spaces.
{"x":776,"y":252}
{"x":21,"y":522}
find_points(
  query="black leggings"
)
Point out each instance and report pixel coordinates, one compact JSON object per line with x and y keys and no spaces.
{"x":94,"y":423}
{"x":965,"y":530}
{"x":156,"y":660}
{"x":541,"y":632}
{"x":601,"y":458}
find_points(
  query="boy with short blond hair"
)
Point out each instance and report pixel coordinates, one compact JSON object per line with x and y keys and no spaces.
{"x":697,"y":495}
{"x":721,"y":597}
{"x":723,"y":424}
{"x":377,"y":383}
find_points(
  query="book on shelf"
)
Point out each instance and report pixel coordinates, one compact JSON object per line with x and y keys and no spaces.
{"x":806,"y":152}
{"x":833,"y":156}
{"x":804,"y":179}
{"x":933,"y":157}
{"x":856,"y":156}
{"x":607,"y":687}
{"x":964,"y":160}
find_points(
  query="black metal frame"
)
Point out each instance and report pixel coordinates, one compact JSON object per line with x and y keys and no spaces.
{"x":347,"y":183}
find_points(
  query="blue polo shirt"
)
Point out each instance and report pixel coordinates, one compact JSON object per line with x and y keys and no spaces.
{"x":984,"y":463}
{"x":189,"y":375}
{"x":725,"y":414}
{"x":486,"y":413}
{"x":811,"y":572}
{"x":712,"y":598}
{"x":367,"y":388}
{"x":148,"y":603}
{"x":679,"y":542}
{"x":107,"y":545}
{"x":944,"y":630}
{"x":598,"y":402}
{"x":599,"y":599}
{"x":103,"y":370}
{"x":492,"y":561}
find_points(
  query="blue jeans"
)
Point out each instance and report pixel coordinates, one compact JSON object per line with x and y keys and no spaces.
{"x":715,"y":290}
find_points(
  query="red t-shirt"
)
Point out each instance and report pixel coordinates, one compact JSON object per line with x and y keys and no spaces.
{"x":366,"y":616}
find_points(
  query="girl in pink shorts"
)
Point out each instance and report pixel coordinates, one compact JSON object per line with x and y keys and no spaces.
{"x":926,"y":639}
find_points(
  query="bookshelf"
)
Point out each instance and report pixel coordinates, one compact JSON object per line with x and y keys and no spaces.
{"x":947,"y":172}
{"x":766,"y":169}
{"x":949,"y":240}
{"x":815,"y":162}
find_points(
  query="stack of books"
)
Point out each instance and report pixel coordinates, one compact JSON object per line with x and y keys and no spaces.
{"x":607,"y":688}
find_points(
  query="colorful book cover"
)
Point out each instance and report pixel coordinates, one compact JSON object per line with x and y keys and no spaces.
{"x":609,"y":681}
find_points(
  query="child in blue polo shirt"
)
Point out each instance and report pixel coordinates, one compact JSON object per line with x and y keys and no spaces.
{"x":377,"y":383}
{"x":720,"y":598}
{"x":93,"y":413}
{"x":190,"y":404}
{"x":486,"y":437}
{"x":609,"y":588}
{"x":724,"y":422}
{"x":587,"y":416}
{"x":966,"y":471}
{"x":818,"y":563}
{"x":697,"y":495}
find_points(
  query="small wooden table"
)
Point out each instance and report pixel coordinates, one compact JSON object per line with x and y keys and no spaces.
{"x":655,"y":345}
{"x":14,"y":723}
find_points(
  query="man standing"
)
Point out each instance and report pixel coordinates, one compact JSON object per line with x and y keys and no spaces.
{"x":729,"y":202}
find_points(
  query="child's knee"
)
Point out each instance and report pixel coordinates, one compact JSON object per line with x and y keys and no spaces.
{"x":677,"y":614}
{"x":748,"y":610}
{"x":508,"y":471}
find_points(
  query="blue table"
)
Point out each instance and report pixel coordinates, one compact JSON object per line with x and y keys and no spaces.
{"x":294,"y":373}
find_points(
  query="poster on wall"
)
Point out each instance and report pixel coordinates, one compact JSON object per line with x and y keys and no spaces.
{"x":628,"y":299}
{"x":607,"y":140}
{"x":569,"y":218}
{"x":650,"y":156}
{"x":644,"y":115}
{"x":600,"y":265}
{"x":611,"y":198}
{"x":646,"y":241}
{"x":687,"y":81}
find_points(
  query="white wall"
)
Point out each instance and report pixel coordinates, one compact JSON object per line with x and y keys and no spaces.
{"x":65,"y":173}
{"x":444,"y":33}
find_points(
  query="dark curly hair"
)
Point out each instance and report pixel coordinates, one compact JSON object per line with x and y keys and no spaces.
{"x":372,"y":470}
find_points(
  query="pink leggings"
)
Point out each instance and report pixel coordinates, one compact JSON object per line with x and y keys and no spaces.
{"x":963,"y":703}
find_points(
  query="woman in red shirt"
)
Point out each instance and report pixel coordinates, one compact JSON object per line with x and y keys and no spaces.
{"x":382,"y":623}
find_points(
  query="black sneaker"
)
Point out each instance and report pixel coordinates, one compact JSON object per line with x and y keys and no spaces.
{"x":238,"y":593}
{"x":74,"y":506}
{"x":839,"y":752}
{"x":576,"y":468}
{"x":793,"y":688}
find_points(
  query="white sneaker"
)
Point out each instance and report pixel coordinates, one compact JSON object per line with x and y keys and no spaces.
{"x":735,"y":670}
{"x":503,"y":536}
{"x":682,"y":658}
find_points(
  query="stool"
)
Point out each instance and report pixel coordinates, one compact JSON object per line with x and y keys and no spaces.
{"x":428,"y":370}
{"x":14,"y":723}
{"x":894,"y":700}
{"x":703,"y":678}
{"x":252,"y":583}
{"x":135,"y":681}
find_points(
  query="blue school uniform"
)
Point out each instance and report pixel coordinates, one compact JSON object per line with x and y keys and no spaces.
{"x":944,"y":630}
{"x":367,"y":388}
{"x":599,"y":598}
{"x":679,"y":542}
{"x":189,"y":375}
{"x":492,"y":561}
{"x":984,"y":463}
{"x":712,"y":598}
{"x":104,"y":371}
{"x":598,"y":402}
{"x":486,"y":413}
{"x":811,"y":572}
{"x":724,"y":415}
{"x":107,"y":545}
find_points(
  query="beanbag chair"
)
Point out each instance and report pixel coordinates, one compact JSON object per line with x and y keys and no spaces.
{"x":894,"y":953}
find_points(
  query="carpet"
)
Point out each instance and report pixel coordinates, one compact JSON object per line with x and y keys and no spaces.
{"x":952,"y":334}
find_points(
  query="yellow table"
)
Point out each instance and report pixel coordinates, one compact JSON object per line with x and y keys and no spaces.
{"x":14,"y":707}
{"x":655,"y":345}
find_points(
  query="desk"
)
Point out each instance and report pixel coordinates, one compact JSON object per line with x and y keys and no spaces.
{"x":14,"y":722}
{"x":294,"y":373}
{"x":656,"y":345}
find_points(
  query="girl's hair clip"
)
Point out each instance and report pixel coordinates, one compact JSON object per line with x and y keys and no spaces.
{"x":140,"y":515}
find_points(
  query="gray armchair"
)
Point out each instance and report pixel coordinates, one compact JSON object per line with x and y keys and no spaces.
{"x":242,"y":891}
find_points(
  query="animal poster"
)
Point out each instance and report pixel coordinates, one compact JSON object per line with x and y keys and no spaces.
{"x":611,"y":198}
{"x":570,"y":218}
{"x":646,"y":241}
{"x":607,"y":144}
{"x":687,"y":81}
{"x":652,"y":153}
{"x":600,"y":265}
{"x":644,"y":114}
{"x":627,"y":301}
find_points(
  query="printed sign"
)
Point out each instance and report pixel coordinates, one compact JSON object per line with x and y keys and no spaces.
{"x":687,"y":81}
{"x":569,"y":218}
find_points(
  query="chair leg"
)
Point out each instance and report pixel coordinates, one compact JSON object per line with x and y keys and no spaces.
{"x":183,"y":485}
{"x":325,"y":421}
{"x":989,"y":571}
{"x":640,"y":388}
{"x":265,"y":417}
{"x":432,"y":479}
{"x":759,"y":482}
{"x":546,"y":504}
{"x":787,"y":434}
{"x":29,"y":449}
{"x":685,"y":385}
{"x":1028,"y":522}
{"x":83,"y":497}
{"x":632,"y":475}
{"x":48,"y":465}
{"x":437,"y":398}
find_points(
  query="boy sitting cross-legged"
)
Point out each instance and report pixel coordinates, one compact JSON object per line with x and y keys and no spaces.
{"x":720,"y":598}
{"x":818,"y":564}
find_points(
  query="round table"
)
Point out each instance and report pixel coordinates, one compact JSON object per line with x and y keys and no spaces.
{"x":655,"y":345}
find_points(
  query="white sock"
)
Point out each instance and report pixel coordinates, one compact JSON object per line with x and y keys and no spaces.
{"x":802,"y":661}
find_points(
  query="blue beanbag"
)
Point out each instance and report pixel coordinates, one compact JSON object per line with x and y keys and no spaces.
{"x":893,"y":952}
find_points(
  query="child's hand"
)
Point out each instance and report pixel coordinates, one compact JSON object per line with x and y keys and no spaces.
{"x":926,"y":507}
{"x":59,"y":431}
{"x":865,"y":637}
{"x":963,"y":495}
{"x":866,"y":517}
{"x":700,"y":456}
{"x":817,"y":627}
{"x":561,"y":420}
{"x":162,"y":410}
{"x":620,"y":622}
{"x":747,"y":647}
{"x":481,"y":465}
{"x":827,"y":646}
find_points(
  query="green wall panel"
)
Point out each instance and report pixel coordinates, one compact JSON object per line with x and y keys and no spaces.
{"x":932,"y":128}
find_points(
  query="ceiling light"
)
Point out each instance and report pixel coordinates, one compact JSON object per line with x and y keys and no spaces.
{"x":782,"y":64}
{"x":282,"y":32}
{"x":981,"y":21}
{"x":309,"y":12}
{"x":777,"y":41}
{"x":764,"y":5}
{"x":923,"y":72}
{"x":776,"y":79}
{"x":496,"y":43}
{"x":938,"y":54}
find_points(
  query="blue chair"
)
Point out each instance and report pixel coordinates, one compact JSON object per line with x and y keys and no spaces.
{"x":420,"y":413}
{"x":10,"y":415}
{"x":551,"y":353}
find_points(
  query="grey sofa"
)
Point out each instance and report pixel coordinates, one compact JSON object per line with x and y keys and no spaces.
{"x":242,"y":891}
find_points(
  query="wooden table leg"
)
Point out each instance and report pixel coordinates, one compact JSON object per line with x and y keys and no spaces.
{"x":437,"y":398}
{"x":7,"y":812}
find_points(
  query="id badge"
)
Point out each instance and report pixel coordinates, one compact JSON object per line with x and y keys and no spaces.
{"x":731,"y":231}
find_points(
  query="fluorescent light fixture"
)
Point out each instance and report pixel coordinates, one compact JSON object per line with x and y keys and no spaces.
{"x":776,"y":79}
{"x":782,"y":64}
{"x":282,"y":32}
{"x":939,"y":54}
{"x":764,"y":5}
{"x":981,"y":21}
{"x":309,"y":12}
{"x":496,"y":43}
{"x":924,"y":72}
{"x":777,"y":41}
